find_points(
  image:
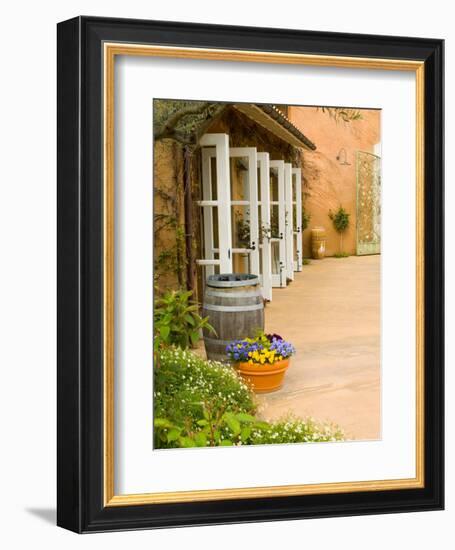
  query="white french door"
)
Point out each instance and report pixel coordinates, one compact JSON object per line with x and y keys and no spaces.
{"x":263,"y":160}
{"x":248,"y":208}
{"x":216,"y":205}
{"x":297,"y":217}
{"x":249,"y":203}
{"x":289,"y":222}
{"x":277,"y":223}
{"x":223,"y":198}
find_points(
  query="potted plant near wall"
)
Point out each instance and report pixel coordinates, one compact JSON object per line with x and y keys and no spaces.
{"x":261,"y":361}
{"x":340,"y":220}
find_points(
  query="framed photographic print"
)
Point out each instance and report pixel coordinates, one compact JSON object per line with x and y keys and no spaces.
{"x":250,"y":274}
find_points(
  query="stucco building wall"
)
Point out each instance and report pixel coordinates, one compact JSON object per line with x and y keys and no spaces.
{"x":169,"y":251}
{"x":169,"y":215}
{"x":328,"y":183}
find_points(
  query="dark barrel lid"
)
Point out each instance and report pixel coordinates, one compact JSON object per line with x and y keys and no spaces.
{"x":232,"y":280}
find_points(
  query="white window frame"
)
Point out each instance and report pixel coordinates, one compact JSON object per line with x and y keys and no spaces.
{"x":263,"y":161}
{"x":279,"y":279}
{"x":297,"y":182}
{"x":289,"y":221}
{"x":216,"y":145}
{"x":250,"y":154}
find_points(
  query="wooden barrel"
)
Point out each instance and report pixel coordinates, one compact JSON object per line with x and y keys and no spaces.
{"x":318,"y":239}
{"x":235,"y":308}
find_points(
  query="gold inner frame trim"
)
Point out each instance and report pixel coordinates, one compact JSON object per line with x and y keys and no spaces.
{"x":111,"y":50}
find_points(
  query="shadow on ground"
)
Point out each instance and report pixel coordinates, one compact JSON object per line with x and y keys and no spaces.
{"x":49,"y":515}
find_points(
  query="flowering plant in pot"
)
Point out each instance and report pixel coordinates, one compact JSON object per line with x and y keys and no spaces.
{"x":262,"y":361}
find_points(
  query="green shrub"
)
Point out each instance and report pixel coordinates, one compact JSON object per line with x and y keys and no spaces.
{"x":188,"y":390}
{"x":340,"y":220}
{"x":296,"y":430}
{"x":202,"y":403}
{"x":176,"y":320}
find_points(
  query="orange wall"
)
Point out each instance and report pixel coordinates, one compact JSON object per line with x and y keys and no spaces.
{"x":167,"y":182}
{"x":327,"y":183}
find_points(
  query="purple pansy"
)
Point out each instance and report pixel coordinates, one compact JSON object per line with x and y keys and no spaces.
{"x":238,"y":350}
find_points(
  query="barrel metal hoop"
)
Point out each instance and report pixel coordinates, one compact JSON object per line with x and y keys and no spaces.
{"x":231,"y":284}
{"x":223,"y":343}
{"x":255,"y":294}
{"x":232,"y":309}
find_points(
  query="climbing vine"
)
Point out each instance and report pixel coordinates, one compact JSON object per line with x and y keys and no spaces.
{"x":169,"y":229}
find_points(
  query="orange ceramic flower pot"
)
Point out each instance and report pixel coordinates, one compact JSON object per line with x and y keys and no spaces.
{"x":264,"y":378}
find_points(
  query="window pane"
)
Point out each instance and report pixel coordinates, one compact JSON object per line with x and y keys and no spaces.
{"x":241,"y":262}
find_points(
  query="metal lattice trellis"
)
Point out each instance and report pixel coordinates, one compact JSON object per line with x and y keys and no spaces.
{"x":368,"y":174}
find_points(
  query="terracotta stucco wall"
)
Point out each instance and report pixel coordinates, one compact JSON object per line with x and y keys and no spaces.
{"x":168,"y":214}
{"x":327,"y":183}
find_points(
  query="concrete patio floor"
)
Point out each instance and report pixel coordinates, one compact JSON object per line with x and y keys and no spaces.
{"x":331,"y":313}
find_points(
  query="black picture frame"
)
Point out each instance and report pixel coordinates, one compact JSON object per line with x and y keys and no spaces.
{"x":80,"y":282}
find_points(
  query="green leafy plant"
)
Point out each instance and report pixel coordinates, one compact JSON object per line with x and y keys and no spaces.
{"x":199,"y":403}
{"x":171,"y":259}
{"x":244,"y":232}
{"x":274,"y":225}
{"x":243,"y":229}
{"x":341,"y":114}
{"x":192,"y":395}
{"x":305,"y":220}
{"x":340,"y":220}
{"x":292,"y":429}
{"x":177,"y":321}
{"x":215,"y":428}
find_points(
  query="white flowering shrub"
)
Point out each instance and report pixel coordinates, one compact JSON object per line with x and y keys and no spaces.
{"x":189,"y":392}
{"x":296,"y":430}
{"x":199,"y":403}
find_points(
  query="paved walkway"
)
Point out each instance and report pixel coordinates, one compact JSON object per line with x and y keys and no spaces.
{"x":331,"y":314}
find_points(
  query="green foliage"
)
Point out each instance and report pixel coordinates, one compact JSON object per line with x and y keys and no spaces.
{"x":340,"y":219}
{"x":305,"y":220}
{"x":341,"y":255}
{"x":176,"y":320}
{"x":342,"y":114}
{"x":306,"y":217}
{"x":306,"y":261}
{"x":274,"y":225}
{"x":295,"y":430}
{"x":198,"y":400}
{"x":212,"y":430}
{"x":173,"y":258}
{"x":202,"y":403}
{"x":243,"y":230}
{"x":182,"y":120}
